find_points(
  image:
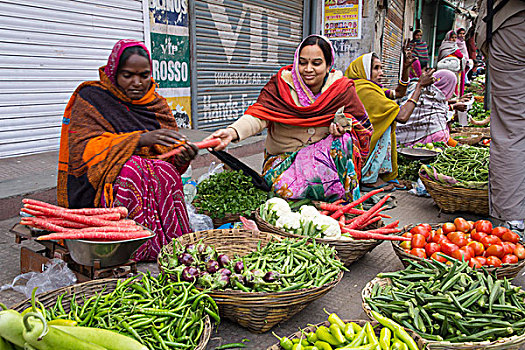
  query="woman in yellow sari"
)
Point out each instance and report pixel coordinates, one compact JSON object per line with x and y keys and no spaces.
{"x":380,"y":169}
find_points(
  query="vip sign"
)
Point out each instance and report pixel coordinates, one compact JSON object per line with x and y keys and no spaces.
{"x":170,"y":56}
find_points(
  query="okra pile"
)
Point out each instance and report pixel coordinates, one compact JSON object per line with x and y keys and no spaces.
{"x":451,"y":302}
{"x":278,"y":266}
{"x":156,"y":312}
{"x":229,"y":192}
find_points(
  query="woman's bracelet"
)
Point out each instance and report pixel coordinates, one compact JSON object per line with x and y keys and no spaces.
{"x":412,"y":100}
{"x":404,"y":83}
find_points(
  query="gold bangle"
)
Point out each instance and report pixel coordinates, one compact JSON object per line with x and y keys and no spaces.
{"x":412,"y":100}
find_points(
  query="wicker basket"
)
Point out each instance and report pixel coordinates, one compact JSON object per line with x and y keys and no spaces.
{"x":257,"y":311}
{"x":312,"y":328}
{"x":468,"y":138}
{"x":513,"y":342}
{"x":88,"y":289}
{"x":506,"y":270}
{"x":485,"y":131}
{"x":452,"y":199}
{"x":217,"y":222}
{"x":348,"y":251}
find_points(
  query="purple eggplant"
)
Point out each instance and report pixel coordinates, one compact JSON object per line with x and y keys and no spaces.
{"x":258,"y":273}
{"x":190,"y":273}
{"x":190,"y":248}
{"x":225,"y":271}
{"x":212,"y":266}
{"x":271,"y":276}
{"x":186,"y":259}
{"x":238,"y":267}
{"x":222,"y":281}
{"x":223,"y":260}
{"x":201,"y":248}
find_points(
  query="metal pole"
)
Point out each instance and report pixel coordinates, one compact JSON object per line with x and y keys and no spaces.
{"x":434,"y":34}
{"x":193,"y":64}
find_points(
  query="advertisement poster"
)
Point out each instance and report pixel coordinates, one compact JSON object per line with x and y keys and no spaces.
{"x":170,"y":54}
{"x":342,"y":19}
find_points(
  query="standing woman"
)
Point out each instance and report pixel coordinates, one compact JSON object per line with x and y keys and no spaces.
{"x":419,"y":48}
{"x":380,"y":170}
{"x":112,"y":131}
{"x":450,"y":56}
{"x":462,"y":45}
{"x":318,"y":130}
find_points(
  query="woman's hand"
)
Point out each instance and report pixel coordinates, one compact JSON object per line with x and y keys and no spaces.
{"x":459,"y":107}
{"x":164,"y":137}
{"x":188,"y":152}
{"x":426,"y":79}
{"x":466,"y":97}
{"x":336,"y":129}
{"x":408,"y":58}
{"x":225,"y":135}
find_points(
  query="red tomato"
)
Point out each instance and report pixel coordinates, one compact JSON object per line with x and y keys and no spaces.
{"x":509,"y":247}
{"x":499,"y":231}
{"x":439,"y":231}
{"x":509,"y":259}
{"x":496,"y":250}
{"x":477,"y":235}
{"x":478,"y":247}
{"x":420,"y":252}
{"x":470,"y":249}
{"x":449,"y":248}
{"x":418,"y":241}
{"x":510,"y":236}
{"x":432,"y":248}
{"x":519,"y":251}
{"x":459,"y":240}
{"x":407,"y":251}
{"x":421,"y":230}
{"x":427,"y":226}
{"x":482,"y":260}
{"x":453,"y":235}
{"x":445,"y":240}
{"x":407,"y":234}
{"x":490,"y":240}
{"x":406,"y":245}
{"x":471,"y":224}
{"x":438,"y":237}
{"x":475,"y":263}
{"x":448,"y":227}
{"x":438,"y":257}
{"x":462,"y":225}
{"x":483,"y":226}
{"x":493,"y":261}
{"x":461,"y":254}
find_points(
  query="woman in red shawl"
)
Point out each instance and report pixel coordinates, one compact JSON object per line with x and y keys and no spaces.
{"x":318,"y":130}
{"x":112,"y":131}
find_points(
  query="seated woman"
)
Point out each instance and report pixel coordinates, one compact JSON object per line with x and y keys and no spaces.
{"x":112,"y":131}
{"x":318,"y":130}
{"x":383,"y":111}
{"x":429,"y":121}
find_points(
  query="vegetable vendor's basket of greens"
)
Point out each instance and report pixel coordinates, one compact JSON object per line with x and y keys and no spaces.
{"x":450,"y":306}
{"x":227,"y":195}
{"x":256,"y":278}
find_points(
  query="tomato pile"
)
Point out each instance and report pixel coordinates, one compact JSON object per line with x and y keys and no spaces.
{"x":476,"y":242}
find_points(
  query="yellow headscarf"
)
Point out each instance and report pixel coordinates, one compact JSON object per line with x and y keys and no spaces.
{"x":381,"y":110}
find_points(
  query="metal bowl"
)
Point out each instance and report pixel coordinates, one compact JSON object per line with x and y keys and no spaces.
{"x":111,"y":253}
{"x":417,"y":153}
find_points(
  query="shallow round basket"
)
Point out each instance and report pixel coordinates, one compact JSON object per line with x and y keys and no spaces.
{"x":485,"y":131}
{"x":348,"y":251}
{"x":467,"y":138}
{"x":418,"y":153}
{"x":84,"y":291}
{"x":362,"y":323}
{"x":508,"y":343}
{"x":257,"y":311}
{"x":452,"y":199}
{"x":506,"y":270}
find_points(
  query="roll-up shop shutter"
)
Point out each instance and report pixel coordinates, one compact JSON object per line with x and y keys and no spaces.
{"x":47,"y":48}
{"x":239,"y":46}
{"x":392,"y":42}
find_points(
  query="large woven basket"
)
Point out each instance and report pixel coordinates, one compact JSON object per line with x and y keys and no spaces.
{"x":468,"y":138}
{"x":452,"y":199}
{"x":348,"y":251}
{"x":88,"y":289}
{"x":313,"y":328}
{"x":506,"y":270}
{"x":257,"y":311}
{"x":513,"y":342}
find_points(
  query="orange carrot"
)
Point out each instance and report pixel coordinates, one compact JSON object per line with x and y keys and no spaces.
{"x":330,"y":207}
{"x":368,"y":214}
{"x":40,"y":203}
{"x":392,"y":224}
{"x":87,"y":220}
{"x":43,"y":223}
{"x":97,"y":236}
{"x":201,"y":145}
{"x":359,"y":212}
{"x":364,"y":198}
{"x":372,"y":235}
{"x":369,"y":222}
{"x":338,"y":213}
{"x":338,"y":202}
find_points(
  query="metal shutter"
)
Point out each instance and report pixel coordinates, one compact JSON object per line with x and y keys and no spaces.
{"x":392,"y":42}
{"x":239,"y":46}
{"x":47,"y":48}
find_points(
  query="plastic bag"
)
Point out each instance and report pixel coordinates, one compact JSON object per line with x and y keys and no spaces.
{"x":418,"y":189}
{"x":212,"y":170}
{"x":56,"y":275}
{"x":198,"y":222}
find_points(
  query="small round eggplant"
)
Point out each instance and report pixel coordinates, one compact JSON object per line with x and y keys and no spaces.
{"x":212,"y":266}
{"x":225,"y":271}
{"x":238,"y":267}
{"x":190,"y":248}
{"x":271,"y":276}
{"x":186,"y":259}
{"x":223,"y":260}
{"x":222,"y":281}
{"x":201,"y":248}
{"x":190,"y":273}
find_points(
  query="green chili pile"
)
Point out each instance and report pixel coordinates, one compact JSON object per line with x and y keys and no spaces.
{"x":158,"y":313}
{"x":451,"y":302}
{"x":464,"y":163}
{"x":228,"y":192}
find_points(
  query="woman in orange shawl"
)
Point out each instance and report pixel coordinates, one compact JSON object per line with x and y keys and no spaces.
{"x":318,"y":130}
{"x":112,"y":131}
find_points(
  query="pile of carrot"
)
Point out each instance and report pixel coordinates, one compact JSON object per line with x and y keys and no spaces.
{"x":354,"y":226}
{"x":96,"y":224}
